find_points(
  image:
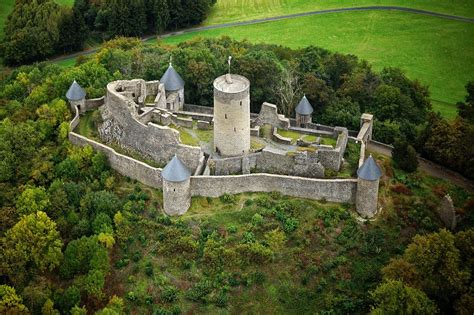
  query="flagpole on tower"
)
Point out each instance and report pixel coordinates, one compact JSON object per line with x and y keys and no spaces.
{"x":229,"y":61}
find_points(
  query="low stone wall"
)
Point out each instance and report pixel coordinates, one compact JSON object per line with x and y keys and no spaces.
{"x":75,"y":121}
{"x":196,"y":116}
{"x":123,"y":164}
{"x":199,"y":109}
{"x":279,"y":138}
{"x":94,"y":103}
{"x":334,"y":190}
{"x":203,"y":125}
{"x":297,"y":164}
{"x":233,"y":165}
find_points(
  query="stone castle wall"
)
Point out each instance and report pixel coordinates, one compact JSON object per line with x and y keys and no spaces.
{"x":335,"y":190}
{"x":123,"y":164}
{"x":160,"y":143}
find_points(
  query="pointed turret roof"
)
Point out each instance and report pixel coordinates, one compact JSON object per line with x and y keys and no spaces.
{"x":304,"y":107}
{"x":172,"y":80}
{"x":175,"y":171}
{"x":75,"y":92}
{"x":369,"y":170}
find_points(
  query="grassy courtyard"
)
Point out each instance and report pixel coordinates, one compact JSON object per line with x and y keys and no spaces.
{"x":440,"y":53}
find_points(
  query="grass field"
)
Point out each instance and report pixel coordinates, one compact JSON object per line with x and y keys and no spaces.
{"x":226,"y":11}
{"x":438,"y":52}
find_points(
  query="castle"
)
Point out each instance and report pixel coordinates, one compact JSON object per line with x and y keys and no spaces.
{"x":247,"y":153}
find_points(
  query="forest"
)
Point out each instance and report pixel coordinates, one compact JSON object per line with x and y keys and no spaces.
{"x":78,"y":238}
{"x":38,"y":29}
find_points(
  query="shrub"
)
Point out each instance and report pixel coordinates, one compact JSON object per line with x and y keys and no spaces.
{"x":169,"y":294}
{"x":404,"y":156}
{"x":257,"y":219}
{"x":199,"y":291}
{"x":149,"y":269}
{"x":401,"y":189}
{"x":226,"y":198}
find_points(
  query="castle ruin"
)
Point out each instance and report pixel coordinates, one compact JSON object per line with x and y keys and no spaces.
{"x":247,"y":153}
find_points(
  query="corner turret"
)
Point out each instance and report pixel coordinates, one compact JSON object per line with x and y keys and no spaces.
{"x":303,"y":112}
{"x":174,"y":87}
{"x":176,"y":187}
{"x":368,"y":177}
{"x":76,"y":96}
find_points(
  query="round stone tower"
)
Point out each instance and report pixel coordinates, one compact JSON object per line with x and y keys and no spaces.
{"x":76,"y":96}
{"x":231,"y":115}
{"x":368,"y":177}
{"x":176,"y":187}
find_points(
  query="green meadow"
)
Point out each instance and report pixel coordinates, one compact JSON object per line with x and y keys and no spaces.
{"x":225,"y":11}
{"x":438,"y":52}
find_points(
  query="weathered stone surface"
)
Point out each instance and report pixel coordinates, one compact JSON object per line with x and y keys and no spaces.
{"x":336,"y":190}
{"x":231,"y":116}
{"x":269,"y":115}
{"x":299,"y":164}
{"x":447,"y":213}
{"x":160,"y":143}
{"x":279,"y":138}
{"x":203,"y":125}
{"x":366,"y":200}
{"x":176,"y":197}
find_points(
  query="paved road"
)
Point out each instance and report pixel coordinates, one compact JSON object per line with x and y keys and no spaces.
{"x":429,"y":167}
{"x":282,"y":17}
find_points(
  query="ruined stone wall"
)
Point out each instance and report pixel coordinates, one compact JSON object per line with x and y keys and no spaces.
{"x":123,"y":164}
{"x":94,"y":103}
{"x":198,"y":109}
{"x":269,"y":115}
{"x":332,"y":158}
{"x":297,"y":164}
{"x":157,"y":142}
{"x":335,"y":190}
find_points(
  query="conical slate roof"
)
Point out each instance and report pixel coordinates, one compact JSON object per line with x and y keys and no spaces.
{"x":175,"y":171}
{"x":304,"y":107}
{"x":75,"y":92}
{"x":369,"y":170}
{"x":172,"y":80}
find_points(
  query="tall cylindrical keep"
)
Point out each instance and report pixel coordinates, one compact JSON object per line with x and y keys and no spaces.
{"x":176,"y":197}
{"x":231,"y":115}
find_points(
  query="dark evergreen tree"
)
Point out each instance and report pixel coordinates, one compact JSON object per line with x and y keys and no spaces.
{"x":404,"y":155}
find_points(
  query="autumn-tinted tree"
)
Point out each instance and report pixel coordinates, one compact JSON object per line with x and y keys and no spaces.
{"x":10,"y":302}
{"x":432,"y":263}
{"x":33,"y":245}
{"x":394,"y":297}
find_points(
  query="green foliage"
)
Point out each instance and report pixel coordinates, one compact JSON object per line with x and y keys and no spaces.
{"x":432,"y":263}
{"x":32,"y":245}
{"x":10,"y":302}
{"x":404,"y":155}
{"x":32,"y":200}
{"x":393,"y":297}
{"x":83,"y":256}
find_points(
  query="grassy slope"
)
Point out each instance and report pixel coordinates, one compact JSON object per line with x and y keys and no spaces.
{"x":240,"y":10}
{"x":440,"y":53}
{"x":6,"y":6}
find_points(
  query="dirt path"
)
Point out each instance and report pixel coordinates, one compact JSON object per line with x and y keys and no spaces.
{"x":428,"y":167}
{"x":282,"y":17}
